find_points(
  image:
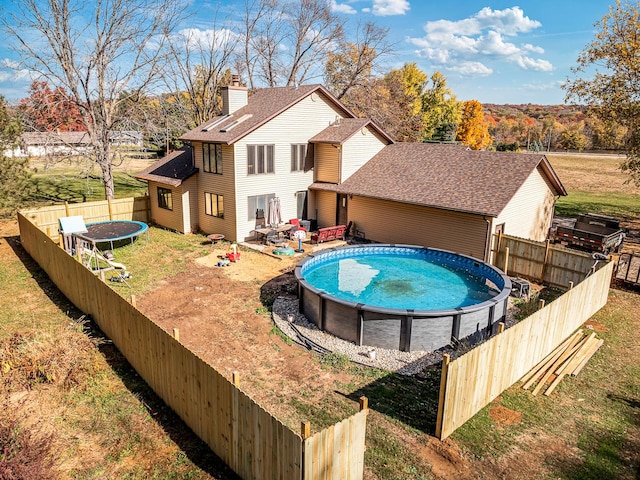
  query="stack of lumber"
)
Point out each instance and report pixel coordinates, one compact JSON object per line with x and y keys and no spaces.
{"x":569,"y":358}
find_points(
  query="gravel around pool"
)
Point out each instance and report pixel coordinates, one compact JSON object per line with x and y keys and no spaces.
{"x":286,"y":316}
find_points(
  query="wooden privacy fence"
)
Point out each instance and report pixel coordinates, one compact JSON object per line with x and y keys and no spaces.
{"x":132,"y":208}
{"x":544,"y":262}
{"x":473,"y":380}
{"x":242,"y":433}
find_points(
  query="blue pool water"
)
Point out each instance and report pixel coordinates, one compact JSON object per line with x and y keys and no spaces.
{"x":401,"y":278}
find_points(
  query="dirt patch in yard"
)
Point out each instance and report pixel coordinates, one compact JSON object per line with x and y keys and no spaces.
{"x":219,"y":317}
{"x":505,"y":416}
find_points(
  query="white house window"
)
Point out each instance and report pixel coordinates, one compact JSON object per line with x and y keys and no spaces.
{"x":212,"y":157}
{"x":260,"y":159}
{"x":259,"y":202}
{"x":213,"y":205}
{"x":298,"y":156}
{"x":164,"y":198}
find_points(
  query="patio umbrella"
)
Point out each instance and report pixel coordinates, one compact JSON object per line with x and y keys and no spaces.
{"x":274,"y":218}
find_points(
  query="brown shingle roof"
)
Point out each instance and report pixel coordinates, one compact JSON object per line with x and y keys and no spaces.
{"x":344,"y":129}
{"x":446,"y":176}
{"x":263,"y":105}
{"x":170,"y":170}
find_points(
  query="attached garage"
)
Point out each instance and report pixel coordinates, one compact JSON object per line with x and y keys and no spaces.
{"x":449,"y":197}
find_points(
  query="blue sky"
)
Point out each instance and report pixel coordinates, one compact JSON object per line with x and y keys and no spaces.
{"x":492,"y":51}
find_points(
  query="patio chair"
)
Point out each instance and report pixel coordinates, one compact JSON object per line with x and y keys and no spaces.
{"x":296,"y":227}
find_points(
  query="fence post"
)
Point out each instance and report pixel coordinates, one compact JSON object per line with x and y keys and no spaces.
{"x":506,"y":260}
{"x":570,"y":285}
{"x":500,"y":327}
{"x":176,"y":334}
{"x":66,"y":208}
{"x":446,"y":359}
{"x":235,"y":378}
{"x":541,"y":303}
{"x":546,"y":259}
{"x":364,"y":403}
{"x":305,"y":433}
{"x":132,"y":301}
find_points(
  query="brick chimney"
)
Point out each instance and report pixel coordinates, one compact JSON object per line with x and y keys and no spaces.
{"x":234,"y":97}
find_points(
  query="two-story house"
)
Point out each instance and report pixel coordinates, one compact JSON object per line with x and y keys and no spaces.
{"x":301,"y":145}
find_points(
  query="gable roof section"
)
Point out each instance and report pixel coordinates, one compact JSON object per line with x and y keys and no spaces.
{"x":445,"y":176}
{"x":345,"y":128}
{"x":264,"y":104}
{"x":170,"y":170}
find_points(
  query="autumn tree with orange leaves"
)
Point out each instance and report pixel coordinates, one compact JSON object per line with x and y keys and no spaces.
{"x":47,"y":110}
{"x":473,"y":130}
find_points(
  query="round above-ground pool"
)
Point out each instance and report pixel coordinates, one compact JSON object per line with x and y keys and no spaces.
{"x":401,"y":296}
{"x":112,"y":231}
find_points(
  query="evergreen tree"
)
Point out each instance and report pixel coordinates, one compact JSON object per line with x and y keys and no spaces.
{"x":15,"y":177}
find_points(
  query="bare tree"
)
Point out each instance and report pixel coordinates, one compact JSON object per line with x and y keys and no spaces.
{"x":200,"y":65}
{"x":355,"y":62}
{"x":106,"y":53}
{"x":286,"y":43}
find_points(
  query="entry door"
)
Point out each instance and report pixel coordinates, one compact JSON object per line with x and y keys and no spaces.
{"x":341,"y":217}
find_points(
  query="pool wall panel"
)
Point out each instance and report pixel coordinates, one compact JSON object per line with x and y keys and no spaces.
{"x":310,"y":303}
{"x":430,"y":333}
{"x":473,"y":322}
{"x":382,"y":333}
{"x":341,"y":320}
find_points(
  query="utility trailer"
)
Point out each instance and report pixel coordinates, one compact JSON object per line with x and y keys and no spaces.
{"x":591,"y":232}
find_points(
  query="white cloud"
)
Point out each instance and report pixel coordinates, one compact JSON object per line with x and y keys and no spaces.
{"x":366,"y":10}
{"x":197,"y":38}
{"x":342,"y":8}
{"x":543,"y":86}
{"x":532,"y":48}
{"x":384,"y":8}
{"x":471,"y":69}
{"x":8,"y":63}
{"x":534,"y":64}
{"x":466,"y":45}
{"x":509,"y":21}
{"x":11,"y":72}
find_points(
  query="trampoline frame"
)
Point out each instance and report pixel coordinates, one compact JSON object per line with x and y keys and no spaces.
{"x":144,"y":229}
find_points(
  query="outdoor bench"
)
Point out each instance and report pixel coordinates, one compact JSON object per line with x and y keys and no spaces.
{"x":329,"y":233}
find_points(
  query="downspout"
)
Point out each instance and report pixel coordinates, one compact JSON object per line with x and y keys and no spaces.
{"x":487,"y":240}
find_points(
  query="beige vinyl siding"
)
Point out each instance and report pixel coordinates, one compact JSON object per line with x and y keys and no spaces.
{"x":530,"y":211}
{"x":171,"y":219}
{"x":221,"y":185}
{"x":294,"y":126}
{"x":392,"y":222}
{"x":358,"y":150}
{"x":326,"y":163}
{"x":325,"y":203}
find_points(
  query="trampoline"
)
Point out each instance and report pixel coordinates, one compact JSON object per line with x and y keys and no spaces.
{"x":113,"y":231}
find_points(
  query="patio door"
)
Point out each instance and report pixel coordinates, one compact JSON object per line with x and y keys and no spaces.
{"x":341,"y":216}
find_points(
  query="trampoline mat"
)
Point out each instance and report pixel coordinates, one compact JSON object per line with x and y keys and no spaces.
{"x":114,"y":230}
